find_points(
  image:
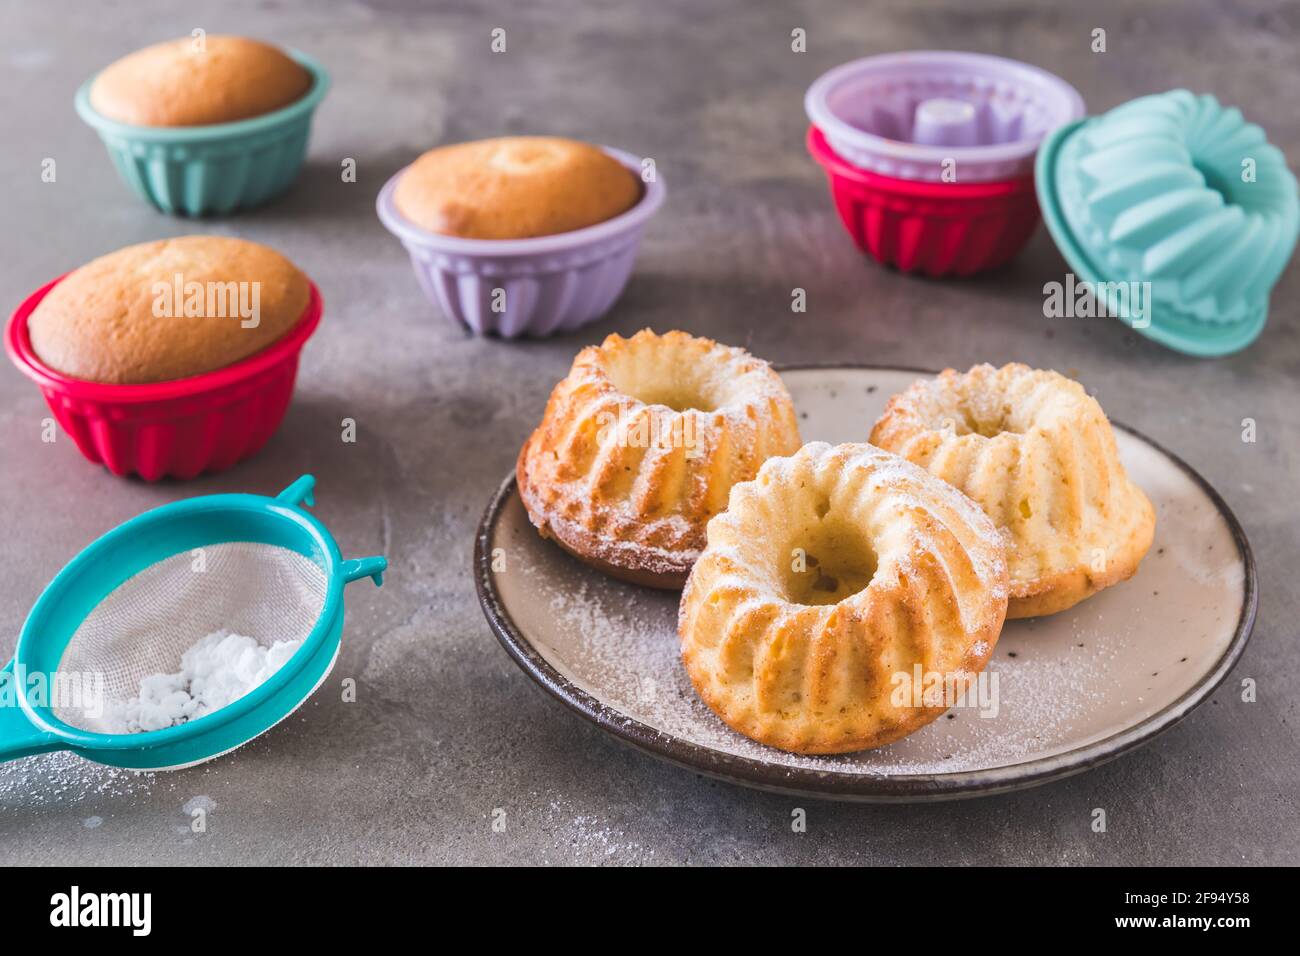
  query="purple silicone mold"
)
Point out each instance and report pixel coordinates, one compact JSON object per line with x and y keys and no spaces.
{"x":551,"y":283}
{"x":904,"y":115}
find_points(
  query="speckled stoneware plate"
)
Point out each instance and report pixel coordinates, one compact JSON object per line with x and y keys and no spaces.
{"x":1074,"y":690}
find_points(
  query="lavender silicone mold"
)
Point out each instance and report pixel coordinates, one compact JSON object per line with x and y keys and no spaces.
{"x":905,"y":114}
{"x":551,"y":283}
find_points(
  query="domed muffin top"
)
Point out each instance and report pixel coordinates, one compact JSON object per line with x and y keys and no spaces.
{"x":168,"y":309}
{"x":515,"y":188}
{"x":199,"y":82}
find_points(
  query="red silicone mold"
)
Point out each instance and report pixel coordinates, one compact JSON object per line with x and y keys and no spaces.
{"x":934,"y":228}
{"x":176,"y":429}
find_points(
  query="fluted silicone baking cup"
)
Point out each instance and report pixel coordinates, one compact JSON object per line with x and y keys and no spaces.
{"x":175,"y":429}
{"x":216,"y":169}
{"x":918,"y":114}
{"x":1179,"y":191}
{"x":936,"y":229}
{"x":547,"y":284}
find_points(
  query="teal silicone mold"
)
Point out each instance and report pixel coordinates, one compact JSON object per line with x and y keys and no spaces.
{"x":211,"y":170}
{"x":27,"y":727}
{"x":1160,"y":190}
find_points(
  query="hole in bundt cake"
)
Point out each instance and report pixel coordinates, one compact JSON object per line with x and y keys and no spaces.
{"x":678,"y":399}
{"x":833,"y":561}
{"x":986,"y":422}
{"x":827,"y":583}
{"x":665,"y":376}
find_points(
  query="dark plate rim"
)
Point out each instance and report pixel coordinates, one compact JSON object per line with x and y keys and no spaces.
{"x":831,"y":784}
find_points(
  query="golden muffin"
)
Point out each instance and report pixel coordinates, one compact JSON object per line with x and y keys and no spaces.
{"x":179,"y":83}
{"x":167,"y":309}
{"x":516,"y":187}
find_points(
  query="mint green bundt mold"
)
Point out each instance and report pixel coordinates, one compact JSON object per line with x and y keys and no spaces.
{"x":1179,"y":191}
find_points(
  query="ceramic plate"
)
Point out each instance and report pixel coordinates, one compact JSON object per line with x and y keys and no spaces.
{"x":1073,"y":690}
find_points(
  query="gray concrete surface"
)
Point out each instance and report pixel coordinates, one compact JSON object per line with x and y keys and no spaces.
{"x":446,"y":729}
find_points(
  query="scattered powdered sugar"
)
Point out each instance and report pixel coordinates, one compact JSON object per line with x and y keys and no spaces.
{"x":621,"y":644}
{"x":62,"y":778}
{"x":590,"y":839}
{"x":1039,"y":702}
{"x":215,"y":671}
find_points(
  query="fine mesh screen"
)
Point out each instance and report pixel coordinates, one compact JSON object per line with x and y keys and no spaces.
{"x":262,"y":591}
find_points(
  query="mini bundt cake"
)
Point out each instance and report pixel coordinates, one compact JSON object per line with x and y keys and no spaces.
{"x":1036,"y":452}
{"x":827,"y":584}
{"x":640,"y":445}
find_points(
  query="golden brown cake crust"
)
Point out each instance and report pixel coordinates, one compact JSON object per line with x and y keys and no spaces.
{"x":665,"y":575}
{"x":629,"y":483}
{"x":832,"y":675}
{"x":118,"y":319}
{"x":1038,"y":454}
{"x":515,"y":188}
{"x":174,"y":84}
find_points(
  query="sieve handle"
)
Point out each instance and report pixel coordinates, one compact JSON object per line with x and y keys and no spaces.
{"x":18,"y":736}
{"x":372,"y":568}
{"x":300,"y":492}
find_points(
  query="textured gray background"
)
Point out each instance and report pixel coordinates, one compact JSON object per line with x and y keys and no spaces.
{"x":446,"y":728}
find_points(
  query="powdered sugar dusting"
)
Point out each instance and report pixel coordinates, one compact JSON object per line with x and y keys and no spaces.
{"x":591,"y":839}
{"x":623,"y":646}
{"x":61,"y":779}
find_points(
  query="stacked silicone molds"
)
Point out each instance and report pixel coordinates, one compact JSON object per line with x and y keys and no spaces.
{"x":211,"y":170}
{"x":1181,"y":192}
{"x":937,"y":229}
{"x":537,"y":287}
{"x":176,"y":429}
{"x":930,"y":154}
